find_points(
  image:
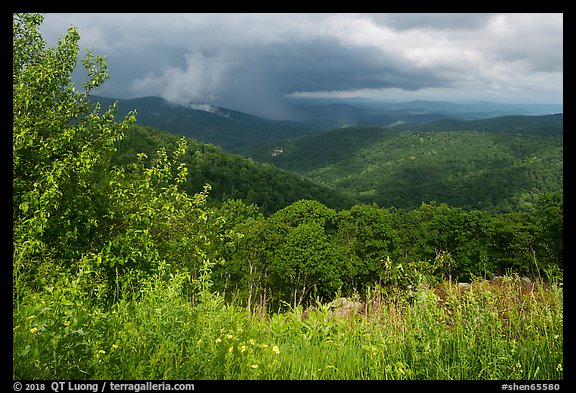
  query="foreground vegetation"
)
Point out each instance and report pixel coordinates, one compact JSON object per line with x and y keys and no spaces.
{"x":119,"y":271}
{"x":503,"y":330}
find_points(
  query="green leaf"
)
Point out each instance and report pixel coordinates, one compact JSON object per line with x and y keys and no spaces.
{"x":24,"y":206}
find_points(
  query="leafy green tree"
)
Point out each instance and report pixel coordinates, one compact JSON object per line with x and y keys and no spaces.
{"x":73,"y":212}
{"x":367,"y":233}
{"x":61,"y":147}
{"x":307,"y":263}
{"x":248,"y":270}
{"x":152,"y":222}
{"x":241,"y":251}
{"x":550,"y":234}
{"x":305,"y":211}
{"x":514,"y":243}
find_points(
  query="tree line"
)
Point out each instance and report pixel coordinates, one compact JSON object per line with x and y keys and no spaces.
{"x":308,"y":251}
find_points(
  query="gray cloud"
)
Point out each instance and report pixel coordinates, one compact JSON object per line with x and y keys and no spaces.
{"x":250,"y":61}
{"x":433,"y":21}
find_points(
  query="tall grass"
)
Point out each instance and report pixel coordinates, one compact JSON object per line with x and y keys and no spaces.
{"x":490,"y":330}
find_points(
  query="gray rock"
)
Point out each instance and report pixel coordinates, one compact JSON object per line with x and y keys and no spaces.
{"x":345,"y":308}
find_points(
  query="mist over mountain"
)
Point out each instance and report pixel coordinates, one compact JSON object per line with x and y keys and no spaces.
{"x":227,"y":128}
{"x":236,"y":131}
{"x":361,"y":111}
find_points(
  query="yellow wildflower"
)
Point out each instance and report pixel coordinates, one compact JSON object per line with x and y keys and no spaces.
{"x":114,"y":346}
{"x":276,"y":349}
{"x":230,"y":349}
{"x":34,"y":330}
{"x":254,"y":366}
{"x":251,"y":341}
{"x":218,"y":340}
{"x":242,"y":348}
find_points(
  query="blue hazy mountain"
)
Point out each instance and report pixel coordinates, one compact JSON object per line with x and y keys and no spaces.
{"x":236,"y":131}
{"x":229,"y":129}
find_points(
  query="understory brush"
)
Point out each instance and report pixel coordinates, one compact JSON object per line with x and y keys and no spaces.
{"x":487,"y":330}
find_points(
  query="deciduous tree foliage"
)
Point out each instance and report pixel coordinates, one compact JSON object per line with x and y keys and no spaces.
{"x":60,"y":149}
{"x":116,"y":218}
{"x":307,"y":251}
{"x":72,"y":210}
{"x":499,"y":172}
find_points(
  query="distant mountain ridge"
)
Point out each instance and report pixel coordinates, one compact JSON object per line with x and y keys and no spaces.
{"x":240,"y":132}
{"x":370,"y":112}
{"x":522,"y":124}
{"x":229,"y":129}
{"x":495,"y":164}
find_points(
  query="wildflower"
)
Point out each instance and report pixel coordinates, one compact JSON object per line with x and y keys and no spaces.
{"x":114,"y":346}
{"x":228,"y":336}
{"x":276,"y":349}
{"x":218,"y":340}
{"x":34,"y":330}
{"x":251,"y":341}
{"x":66,"y":323}
{"x":231,"y":349}
{"x":254,"y":366}
{"x":242,"y":348}
{"x":102,"y":351}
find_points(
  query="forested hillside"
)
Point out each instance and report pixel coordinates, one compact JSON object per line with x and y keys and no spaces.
{"x":534,"y":125}
{"x":492,"y":171}
{"x":230,"y":176}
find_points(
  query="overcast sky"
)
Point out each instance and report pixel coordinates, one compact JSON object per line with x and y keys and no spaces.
{"x":250,"y":62}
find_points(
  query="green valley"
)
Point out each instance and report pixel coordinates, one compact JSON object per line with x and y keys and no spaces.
{"x":230,"y":176}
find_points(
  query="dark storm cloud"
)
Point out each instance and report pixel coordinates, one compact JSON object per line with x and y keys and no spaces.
{"x":434,"y":21}
{"x":250,"y":61}
{"x":323,"y":65}
{"x":270,"y":73}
